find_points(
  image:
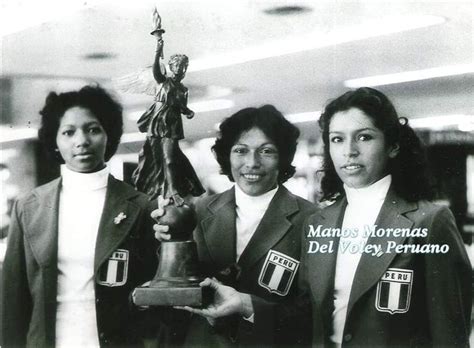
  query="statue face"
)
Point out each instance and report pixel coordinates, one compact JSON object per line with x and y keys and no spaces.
{"x":179,"y":70}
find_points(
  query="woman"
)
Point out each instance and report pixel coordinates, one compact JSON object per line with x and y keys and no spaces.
{"x":80,"y":244}
{"x":381,"y":266}
{"x":248,"y":236}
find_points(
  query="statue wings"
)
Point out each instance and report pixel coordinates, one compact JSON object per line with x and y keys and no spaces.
{"x":141,"y":82}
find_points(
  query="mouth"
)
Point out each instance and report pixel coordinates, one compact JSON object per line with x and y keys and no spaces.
{"x":85,"y":155}
{"x":353,"y":167}
{"x":253,"y":177}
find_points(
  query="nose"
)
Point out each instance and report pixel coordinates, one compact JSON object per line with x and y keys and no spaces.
{"x":351,"y":149}
{"x":81,"y":139}
{"x":252,"y":160}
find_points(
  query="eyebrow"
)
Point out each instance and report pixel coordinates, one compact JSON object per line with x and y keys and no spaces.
{"x":356,"y":131}
{"x":265,"y":144}
{"x":88,"y":124}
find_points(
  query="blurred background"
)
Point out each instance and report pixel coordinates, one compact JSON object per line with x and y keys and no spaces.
{"x":296,"y":55}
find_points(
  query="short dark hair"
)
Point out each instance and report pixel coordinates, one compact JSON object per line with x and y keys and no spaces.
{"x":272,"y":123}
{"x":409,"y":169}
{"x":94,"y":98}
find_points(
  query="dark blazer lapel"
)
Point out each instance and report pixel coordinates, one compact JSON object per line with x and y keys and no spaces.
{"x":41,"y":214}
{"x":111,"y":231}
{"x":219,"y":228}
{"x":322,"y":279}
{"x":371,"y":268}
{"x":273,"y":226}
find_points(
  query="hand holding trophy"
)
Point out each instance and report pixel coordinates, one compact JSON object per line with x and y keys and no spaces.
{"x":163,"y":170}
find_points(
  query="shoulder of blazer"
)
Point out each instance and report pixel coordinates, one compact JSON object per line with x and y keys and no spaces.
{"x":330,"y":210}
{"x":287,"y":204}
{"x":128,"y":192}
{"x":214,"y":202}
{"x":40,"y":193}
{"x":426,"y":211}
{"x":304,"y":205}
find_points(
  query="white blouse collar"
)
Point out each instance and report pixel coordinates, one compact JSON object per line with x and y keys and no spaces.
{"x":243,"y":200}
{"x":72,"y":180}
{"x":375,"y":192}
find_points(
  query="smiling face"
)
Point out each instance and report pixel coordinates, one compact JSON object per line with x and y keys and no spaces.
{"x":358,"y":149}
{"x":81,"y":140}
{"x":254,"y":162}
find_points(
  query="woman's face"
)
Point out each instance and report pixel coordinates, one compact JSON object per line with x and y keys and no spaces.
{"x":254,"y":162}
{"x":81,"y":140}
{"x":358,"y":148}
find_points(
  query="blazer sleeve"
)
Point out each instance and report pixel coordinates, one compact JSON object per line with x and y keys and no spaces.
{"x":448,"y":284}
{"x":16,"y":298}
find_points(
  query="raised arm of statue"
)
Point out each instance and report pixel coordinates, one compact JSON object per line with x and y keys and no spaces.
{"x":158,"y":32}
{"x":158,"y":74}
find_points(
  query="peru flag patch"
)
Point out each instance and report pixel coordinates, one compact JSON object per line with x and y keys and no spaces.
{"x":394,"y":291}
{"x":114,"y":271}
{"x":278,"y":272}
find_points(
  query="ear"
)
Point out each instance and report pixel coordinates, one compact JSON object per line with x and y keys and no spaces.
{"x":394,"y":150}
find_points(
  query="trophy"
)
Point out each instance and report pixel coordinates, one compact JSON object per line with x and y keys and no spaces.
{"x":163,"y":170}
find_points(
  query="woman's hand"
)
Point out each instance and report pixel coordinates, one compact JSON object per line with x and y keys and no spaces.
{"x":227,"y":301}
{"x":161,"y":231}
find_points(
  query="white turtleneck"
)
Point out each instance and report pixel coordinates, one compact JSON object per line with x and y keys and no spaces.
{"x":363,"y":207}
{"x":81,"y":202}
{"x":249,"y":211}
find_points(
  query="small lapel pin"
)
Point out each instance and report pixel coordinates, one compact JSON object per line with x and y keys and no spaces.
{"x":118,"y":219}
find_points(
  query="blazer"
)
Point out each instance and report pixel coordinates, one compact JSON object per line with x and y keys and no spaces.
{"x":30,"y":268}
{"x":260,"y":270}
{"x":398,"y":298}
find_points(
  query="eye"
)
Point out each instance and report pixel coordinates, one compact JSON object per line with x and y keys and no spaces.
{"x":336,"y":139}
{"x":239,"y":150}
{"x":95,"y":130}
{"x":268,"y":151}
{"x":68,"y":132}
{"x":365,"y":137}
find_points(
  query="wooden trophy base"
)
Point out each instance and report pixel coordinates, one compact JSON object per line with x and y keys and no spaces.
{"x":193,"y":296}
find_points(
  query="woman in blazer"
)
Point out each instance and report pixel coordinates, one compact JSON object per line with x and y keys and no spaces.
{"x":80,"y":244}
{"x":249,"y":236}
{"x":381,"y":266}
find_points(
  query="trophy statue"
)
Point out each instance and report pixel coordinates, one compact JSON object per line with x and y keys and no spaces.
{"x":164,"y":170}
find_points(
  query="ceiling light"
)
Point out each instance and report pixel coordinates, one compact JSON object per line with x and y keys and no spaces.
{"x":407,"y":76}
{"x":132,"y":137}
{"x":460,"y":122}
{"x":197,"y":107}
{"x":99,"y":56}
{"x":312,"y":116}
{"x":13,"y":134}
{"x":317,"y":39}
{"x":287,"y":10}
{"x":211,"y":105}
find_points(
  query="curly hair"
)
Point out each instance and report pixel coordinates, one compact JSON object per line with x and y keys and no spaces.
{"x":409,"y":169}
{"x":272,"y":123}
{"x":94,"y":98}
{"x":178,"y":59}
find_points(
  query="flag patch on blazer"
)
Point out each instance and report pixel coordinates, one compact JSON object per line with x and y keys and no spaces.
{"x":114,"y":271}
{"x":278,"y":272}
{"x":394,"y":291}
